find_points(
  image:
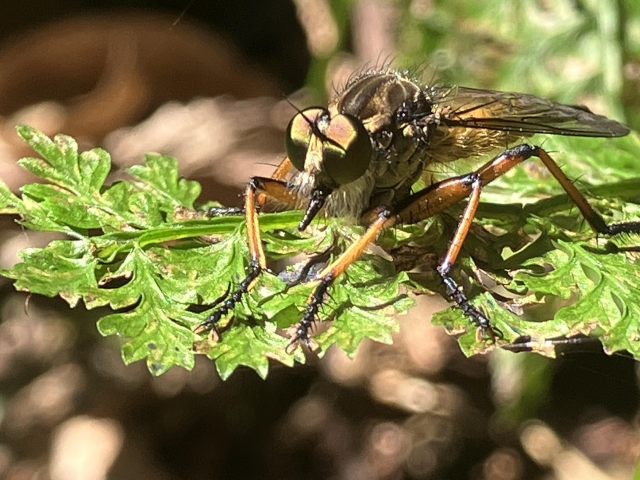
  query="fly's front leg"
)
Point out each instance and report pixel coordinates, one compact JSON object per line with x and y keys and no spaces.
{"x":257,"y":189}
{"x":257,"y":261}
{"x":281,"y":172}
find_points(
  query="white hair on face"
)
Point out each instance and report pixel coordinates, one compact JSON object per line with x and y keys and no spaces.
{"x":349,"y":200}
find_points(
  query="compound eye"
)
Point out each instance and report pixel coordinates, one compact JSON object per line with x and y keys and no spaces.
{"x":299,"y":133}
{"x":346,"y":150}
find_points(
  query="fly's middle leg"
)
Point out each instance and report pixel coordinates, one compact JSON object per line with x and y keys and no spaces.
{"x":300,"y":334}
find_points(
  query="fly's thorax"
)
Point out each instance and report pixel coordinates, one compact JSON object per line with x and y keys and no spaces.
{"x":397,"y":114}
{"x":377,"y":98}
{"x":391,"y":106}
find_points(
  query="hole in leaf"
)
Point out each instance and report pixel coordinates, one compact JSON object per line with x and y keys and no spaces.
{"x":537,"y":270}
{"x":110,"y":281}
{"x":618,"y":302}
{"x":129,"y":308}
{"x":198,"y":308}
{"x":202,"y":307}
{"x":591,"y":274}
{"x":546,"y":309}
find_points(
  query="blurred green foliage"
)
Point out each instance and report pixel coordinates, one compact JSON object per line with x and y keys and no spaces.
{"x":575,"y":52}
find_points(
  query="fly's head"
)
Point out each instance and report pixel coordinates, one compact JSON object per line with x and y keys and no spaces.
{"x":331,"y":149}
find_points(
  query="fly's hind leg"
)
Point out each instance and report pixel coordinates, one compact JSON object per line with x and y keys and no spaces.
{"x":435,"y":199}
{"x":440,"y":196}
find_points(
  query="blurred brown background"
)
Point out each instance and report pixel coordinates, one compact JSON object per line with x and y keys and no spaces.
{"x":205,"y":81}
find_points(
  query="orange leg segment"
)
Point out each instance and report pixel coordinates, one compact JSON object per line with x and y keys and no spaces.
{"x":327,"y":276}
{"x":255,"y":195}
{"x":423,"y":204}
{"x":440,"y":196}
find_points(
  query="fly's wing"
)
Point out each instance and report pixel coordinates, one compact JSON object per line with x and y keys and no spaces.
{"x":518,"y":114}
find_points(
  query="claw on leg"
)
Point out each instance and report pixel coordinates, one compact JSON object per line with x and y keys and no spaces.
{"x":300,"y":331}
{"x":206,"y":325}
{"x":227,"y":302}
{"x":224,"y":211}
{"x":485,"y":330}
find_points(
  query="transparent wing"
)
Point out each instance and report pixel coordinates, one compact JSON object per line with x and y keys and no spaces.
{"x":518,"y":113}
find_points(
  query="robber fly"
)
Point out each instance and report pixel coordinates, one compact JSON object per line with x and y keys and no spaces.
{"x":360,"y":157}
